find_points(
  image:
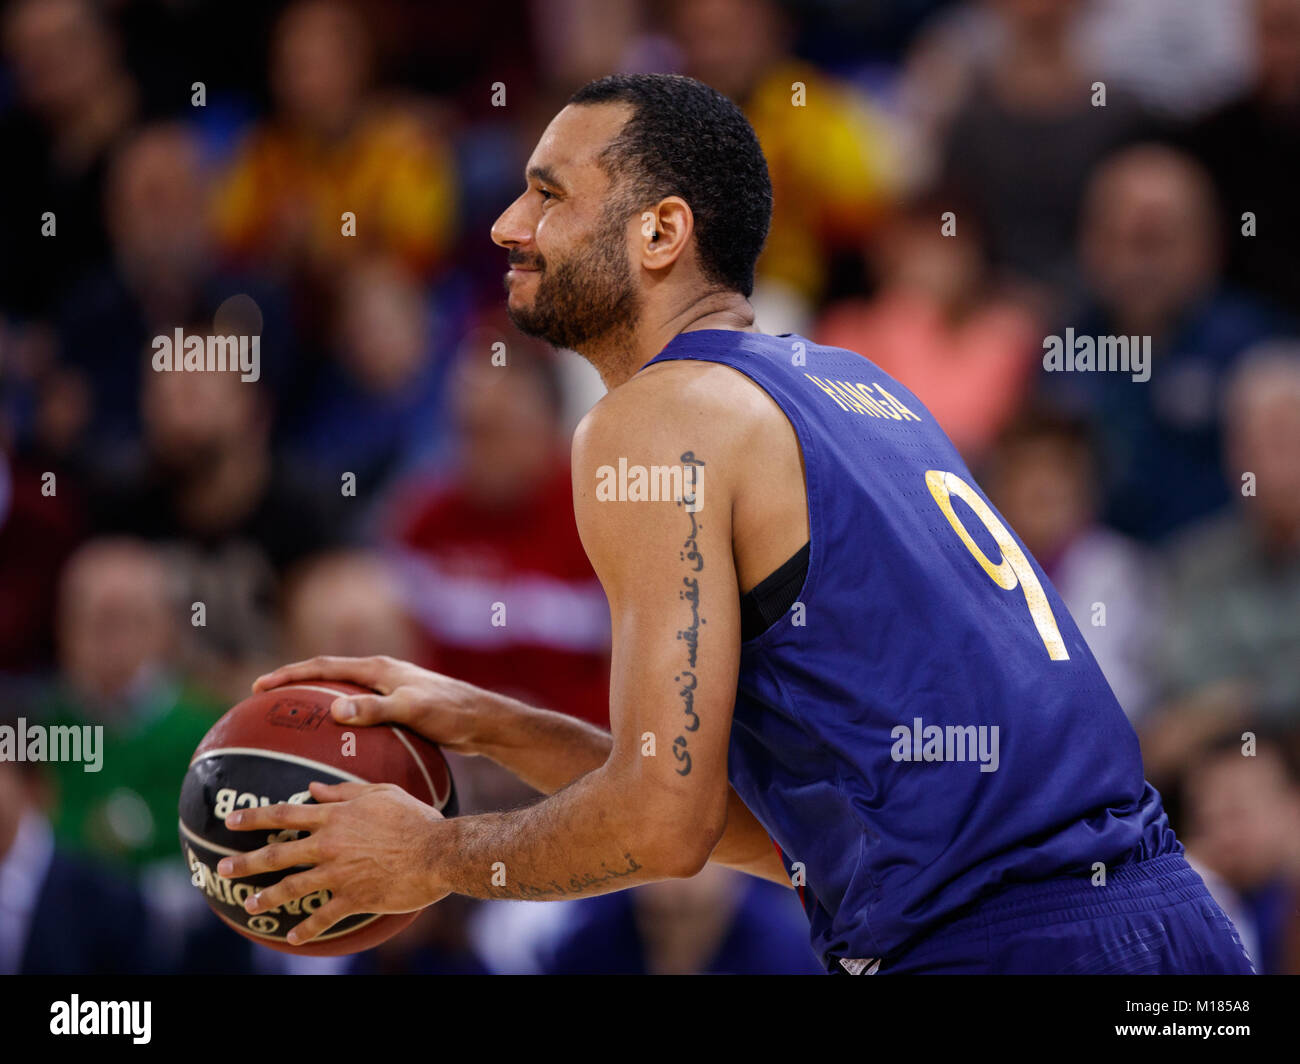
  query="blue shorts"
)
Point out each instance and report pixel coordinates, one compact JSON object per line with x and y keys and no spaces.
{"x":1151,"y":918}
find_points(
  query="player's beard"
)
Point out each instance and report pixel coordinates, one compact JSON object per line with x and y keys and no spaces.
{"x":589,"y":296}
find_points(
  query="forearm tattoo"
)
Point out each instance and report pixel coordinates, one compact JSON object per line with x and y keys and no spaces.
{"x":576,"y":885}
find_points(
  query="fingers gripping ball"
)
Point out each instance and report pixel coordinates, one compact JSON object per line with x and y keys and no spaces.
{"x":267,"y":750}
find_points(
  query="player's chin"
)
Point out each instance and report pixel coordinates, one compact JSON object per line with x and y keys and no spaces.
{"x":517,"y":300}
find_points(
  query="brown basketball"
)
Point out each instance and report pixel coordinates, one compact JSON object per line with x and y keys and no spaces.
{"x":266,"y":750}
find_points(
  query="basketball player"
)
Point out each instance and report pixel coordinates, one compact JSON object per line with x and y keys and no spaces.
{"x":833,"y":664}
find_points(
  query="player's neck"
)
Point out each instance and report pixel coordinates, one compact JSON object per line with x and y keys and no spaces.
{"x":618,"y":359}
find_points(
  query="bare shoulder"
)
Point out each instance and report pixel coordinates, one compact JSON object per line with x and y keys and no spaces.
{"x":745,"y":452}
{"x":700,"y":404}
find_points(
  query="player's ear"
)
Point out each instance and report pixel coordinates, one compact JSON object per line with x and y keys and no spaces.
{"x":666,"y":229}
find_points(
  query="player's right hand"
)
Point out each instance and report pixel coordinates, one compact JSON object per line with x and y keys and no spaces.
{"x":439,"y":707}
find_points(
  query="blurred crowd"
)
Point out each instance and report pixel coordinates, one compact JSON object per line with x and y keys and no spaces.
{"x":954,"y":180}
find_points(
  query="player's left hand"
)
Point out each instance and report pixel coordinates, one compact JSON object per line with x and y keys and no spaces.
{"x":371,"y":845}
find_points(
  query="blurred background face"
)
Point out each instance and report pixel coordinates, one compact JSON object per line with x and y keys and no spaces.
{"x":727,"y":43}
{"x":60,"y":54}
{"x":1149,"y":244}
{"x":384,"y":325}
{"x":346,"y":605}
{"x":1277,"y":27}
{"x":1263,"y":428}
{"x":156,"y":204}
{"x":507,"y":429}
{"x":115,"y":619}
{"x":1043,"y":487}
{"x":1243,"y":816}
{"x":913,"y":254}
{"x":1036,"y":18}
{"x":193,"y":419}
{"x":318,"y":65}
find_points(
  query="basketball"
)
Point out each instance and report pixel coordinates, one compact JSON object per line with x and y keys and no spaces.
{"x":266,"y":750}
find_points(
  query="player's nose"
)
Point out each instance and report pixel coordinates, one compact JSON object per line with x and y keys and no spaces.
{"x":513,"y":228}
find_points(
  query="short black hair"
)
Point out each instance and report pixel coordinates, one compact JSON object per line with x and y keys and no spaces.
{"x":686,"y":139}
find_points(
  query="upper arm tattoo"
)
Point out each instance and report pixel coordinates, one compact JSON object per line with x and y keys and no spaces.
{"x":693,"y":558}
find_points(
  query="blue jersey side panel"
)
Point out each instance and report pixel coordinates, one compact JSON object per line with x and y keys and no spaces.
{"x":901,"y":634}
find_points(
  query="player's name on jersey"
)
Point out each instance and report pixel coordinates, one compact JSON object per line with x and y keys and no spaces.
{"x":858,"y":397}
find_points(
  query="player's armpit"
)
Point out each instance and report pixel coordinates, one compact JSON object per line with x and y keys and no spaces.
{"x":654,"y":513}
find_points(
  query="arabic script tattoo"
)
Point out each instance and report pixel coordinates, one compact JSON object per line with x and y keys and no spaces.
{"x":690,"y":594}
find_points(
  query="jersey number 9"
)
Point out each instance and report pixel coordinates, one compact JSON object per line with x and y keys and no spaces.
{"x":1014,"y":569}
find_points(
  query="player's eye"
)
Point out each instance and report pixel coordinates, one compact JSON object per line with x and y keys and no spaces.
{"x":545,"y":193}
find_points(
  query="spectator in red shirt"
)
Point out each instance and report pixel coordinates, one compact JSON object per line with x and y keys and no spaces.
{"x":942,"y":323}
{"x":497,"y":577}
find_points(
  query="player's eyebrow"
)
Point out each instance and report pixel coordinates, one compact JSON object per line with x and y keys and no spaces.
{"x":545,"y":175}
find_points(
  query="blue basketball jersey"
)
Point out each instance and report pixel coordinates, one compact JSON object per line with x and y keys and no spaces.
{"x":926,"y":725}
